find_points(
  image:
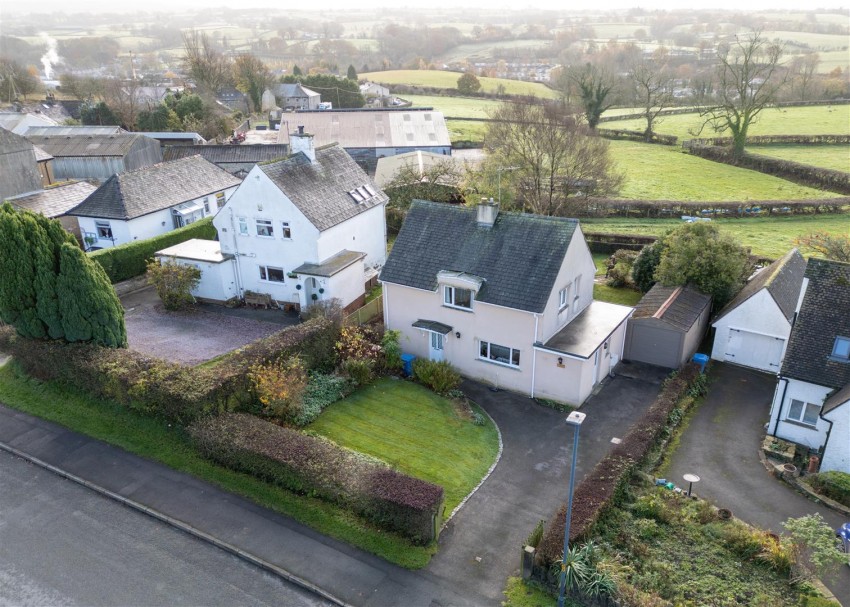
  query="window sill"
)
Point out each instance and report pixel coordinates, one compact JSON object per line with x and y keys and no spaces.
{"x":266,"y":237}
{"x":838,"y":359}
{"x":795,"y":422}
{"x":445,"y":305}
{"x":496,"y":362}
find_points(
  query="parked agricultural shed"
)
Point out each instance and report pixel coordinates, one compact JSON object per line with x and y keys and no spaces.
{"x":98,"y":156}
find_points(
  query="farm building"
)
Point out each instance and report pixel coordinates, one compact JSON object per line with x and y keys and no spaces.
{"x":55,"y":202}
{"x":98,"y":156}
{"x":368,"y":135}
{"x":753,"y":329}
{"x":65,"y":130}
{"x":235,"y":159}
{"x":19,"y":172}
{"x":667,"y":326}
{"x":166,"y":138}
{"x":295,"y":96}
{"x":20,"y":122}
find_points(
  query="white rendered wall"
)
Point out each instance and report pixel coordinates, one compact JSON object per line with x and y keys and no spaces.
{"x":810,"y":436}
{"x":836,"y":455}
{"x":759,"y":314}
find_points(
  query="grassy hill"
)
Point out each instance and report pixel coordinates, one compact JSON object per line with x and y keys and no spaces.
{"x":448,"y":80}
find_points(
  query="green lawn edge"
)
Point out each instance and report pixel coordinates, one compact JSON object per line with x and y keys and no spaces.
{"x":159,"y":441}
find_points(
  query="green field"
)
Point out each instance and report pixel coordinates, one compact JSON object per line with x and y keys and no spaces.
{"x":768,"y":236}
{"x":816,"y":120}
{"x":835,"y":157}
{"x":489,"y":51}
{"x":448,"y":80}
{"x":813,"y":41}
{"x":656,"y":172}
{"x":460,"y":107}
{"x":415,"y":431}
{"x":465,"y":130}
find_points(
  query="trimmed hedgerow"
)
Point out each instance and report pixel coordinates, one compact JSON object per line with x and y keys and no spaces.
{"x":314,"y":465}
{"x":171,"y":391}
{"x":606,"y":484}
{"x":832,"y":484}
{"x":130,"y":260}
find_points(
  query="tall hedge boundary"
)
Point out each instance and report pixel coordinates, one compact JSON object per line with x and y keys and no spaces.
{"x":174,"y":392}
{"x":607,"y":482}
{"x":316,"y":466}
{"x":130,"y":260}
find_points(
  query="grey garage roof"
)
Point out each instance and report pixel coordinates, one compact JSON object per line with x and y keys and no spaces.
{"x":679,"y":307}
{"x":57,"y":200}
{"x":589,"y":330}
{"x":518,"y":257}
{"x":154,"y":188}
{"x":373,"y":128}
{"x":216,"y":154}
{"x":824,"y":315}
{"x":321,"y":190}
{"x":783,"y":279}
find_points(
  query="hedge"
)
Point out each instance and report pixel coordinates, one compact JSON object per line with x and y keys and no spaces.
{"x":316,"y":466}
{"x":833,"y":484}
{"x":171,"y":391}
{"x":607,"y":482}
{"x":636,"y":136}
{"x":743,"y":208}
{"x":130,"y":260}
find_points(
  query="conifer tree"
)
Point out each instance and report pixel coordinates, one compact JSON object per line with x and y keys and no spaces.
{"x":17,"y":275}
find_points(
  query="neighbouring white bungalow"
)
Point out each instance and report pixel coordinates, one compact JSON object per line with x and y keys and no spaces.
{"x":753,"y":329}
{"x":811,"y":406}
{"x":300,"y":230}
{"x":506,"y":298}
{"x":147,"y":202}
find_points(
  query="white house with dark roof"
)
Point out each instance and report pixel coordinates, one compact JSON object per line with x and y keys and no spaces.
{"x":753,"y":329}
{"x":811,"y":405}
{"x":300,"y":230}
{"x":298,"y":97}
{"x":506,"y":298}
{"x":140,"y":204}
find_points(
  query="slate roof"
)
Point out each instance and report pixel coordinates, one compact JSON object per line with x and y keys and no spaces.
{"x":320,"y":190}
{"x":154,"y":188}
{"x":57,"y":200}
{"x":76,"y":130}
{"x":837,"y":399}
{"x":228,"y":153}
{"x":679,"y":307}
{"x":783,"y":279}
{"x":60,"y":146}
{"x":41,"y":155}
{"x":824,"y":314}
{"x":518,"y":257}
{"x":295,"y":90}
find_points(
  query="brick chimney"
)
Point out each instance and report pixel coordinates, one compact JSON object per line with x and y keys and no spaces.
{"x":487,"y":212}
{"x":299,"y":141}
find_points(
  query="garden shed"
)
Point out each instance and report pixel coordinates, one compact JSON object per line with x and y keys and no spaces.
{"x":667,"y":326}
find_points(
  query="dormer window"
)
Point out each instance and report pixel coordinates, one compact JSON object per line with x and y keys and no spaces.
{"x":457,"y":297}
{"x":841,"y":349}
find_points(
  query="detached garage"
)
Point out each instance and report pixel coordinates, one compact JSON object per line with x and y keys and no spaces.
{"x":667,"y":326}
{"x":753,"y":329}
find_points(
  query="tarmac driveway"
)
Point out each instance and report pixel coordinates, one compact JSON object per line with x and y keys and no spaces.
{"x":532,"y":478}
{"x":721,"y":446}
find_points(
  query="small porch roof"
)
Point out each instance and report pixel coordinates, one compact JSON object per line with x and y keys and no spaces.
{"x":332,"y":265}
{"x":837,"y":399}
{"x":433,"y":326}
{"x":587,"y":331}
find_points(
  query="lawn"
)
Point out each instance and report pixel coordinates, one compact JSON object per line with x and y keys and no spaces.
{"x":814,"y":120}
{"x":456,"y":107}
{"x":448,"y":80}
{"x":835,"y":157}
{"x":415,"y":431}
{"x":656,"y":172}
{"x":159,"y":441}
{"x":602,"y":292}
{"x":768,"y":236}
{"x":466,"y":130}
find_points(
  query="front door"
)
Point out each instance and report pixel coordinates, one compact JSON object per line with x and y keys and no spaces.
{"x":436,"y":346}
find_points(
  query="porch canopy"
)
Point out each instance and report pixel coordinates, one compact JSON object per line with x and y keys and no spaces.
{"x":587,"y":331}
{"x":433,"y":326}
{"x":184,"y":209}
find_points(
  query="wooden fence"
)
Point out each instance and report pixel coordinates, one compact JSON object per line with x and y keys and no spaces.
{"x":367,"y":313}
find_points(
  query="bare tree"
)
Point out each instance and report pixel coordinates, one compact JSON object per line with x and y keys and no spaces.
{"x":652,"y":80}
{"x":802,"y":72}
{"x":208,"y":67}
{"x":831,"y":246}
{"x":122,"y":97}
{"x":748,"y":79}
{"x":252,"y":77}
{"x":439,"y":182}
{"x":553,"y":159}
{"x":16,"y":79}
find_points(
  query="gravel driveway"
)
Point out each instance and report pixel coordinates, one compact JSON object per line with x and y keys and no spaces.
{"x":195,"y":336}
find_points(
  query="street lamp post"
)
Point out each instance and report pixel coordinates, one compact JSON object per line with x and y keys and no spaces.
{"x":575,"y":419}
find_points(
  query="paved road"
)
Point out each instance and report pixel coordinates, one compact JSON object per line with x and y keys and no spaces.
{"x":62,"y":544}
{"x":721,"y":446}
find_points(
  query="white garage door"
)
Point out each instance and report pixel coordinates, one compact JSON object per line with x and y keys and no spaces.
{"x":754,"y":350}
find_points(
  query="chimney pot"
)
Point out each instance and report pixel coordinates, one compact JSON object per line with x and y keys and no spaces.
{"x":487,"y":212}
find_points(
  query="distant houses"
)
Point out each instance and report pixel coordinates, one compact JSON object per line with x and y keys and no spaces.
{"x":297,"y":97}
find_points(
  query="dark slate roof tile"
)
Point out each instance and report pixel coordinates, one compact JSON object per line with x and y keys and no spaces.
{"x":682,"y":312}
{"x":57,"y":200}
{"x":255,"y":153}
{"x":518,"y":257}
{"x":824,"y":315}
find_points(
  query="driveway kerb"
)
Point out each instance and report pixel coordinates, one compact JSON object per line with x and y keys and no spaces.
{"x":177,"y":524}
{"x":801,"y":487}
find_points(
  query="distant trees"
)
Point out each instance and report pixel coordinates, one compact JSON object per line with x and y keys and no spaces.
{"x":352,"y":73}
{"x":748,"y":79}
{"x":468,"y":83}
{"x":252,"y":77}
{"x":803,"y":76}
{"x":440,"y":182}
{"x":49,"y":289}
{"x":16,"y":79}
{"x":551,"y":157}
{"x":831,"y":246}
{"x":652,"y":82}
{"x":80,"y":87}
{"x":89,"y":51}
{"x":98,"y":114}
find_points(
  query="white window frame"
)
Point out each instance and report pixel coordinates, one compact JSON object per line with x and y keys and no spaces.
{"x":488,"y":356}
{"x":577,"y":292}
{"x":243,"y":226}
{"x":264,"y":223}
{"x":285,"y":230}
{"x":563,"y":298}
{"x":801,"y":415}
{"x":841,"y":349}
{"x":449,"y":299}
{"x":219,"y":200}
{"x":106,"y":229}
{"x":264,"y":274}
